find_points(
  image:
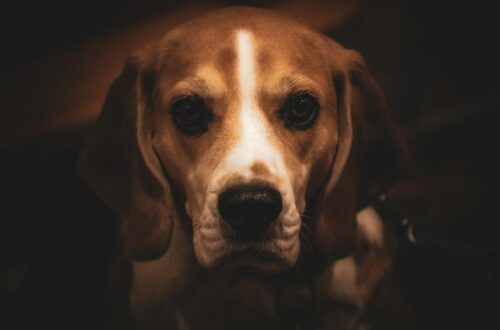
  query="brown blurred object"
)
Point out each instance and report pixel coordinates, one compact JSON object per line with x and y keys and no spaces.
{"x":66,"y":89}
{"x":322,"y":15}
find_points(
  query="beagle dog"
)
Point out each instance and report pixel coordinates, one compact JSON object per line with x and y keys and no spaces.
{"x":238,"y":150}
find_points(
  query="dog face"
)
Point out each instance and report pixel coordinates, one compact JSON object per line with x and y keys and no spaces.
{"x":247,"y":120}
{"x":252,"y":118}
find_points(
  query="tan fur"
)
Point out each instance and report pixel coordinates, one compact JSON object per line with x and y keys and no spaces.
{"x":244,"y":63}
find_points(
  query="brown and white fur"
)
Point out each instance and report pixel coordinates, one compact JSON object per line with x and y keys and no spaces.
{"x":244,"y":64}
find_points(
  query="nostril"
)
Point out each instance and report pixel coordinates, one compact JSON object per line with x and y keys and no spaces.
{"x":249,"y":210}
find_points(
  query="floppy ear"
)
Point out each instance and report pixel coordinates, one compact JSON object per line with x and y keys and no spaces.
{"x":119,"y":164}
{"x":370,"y":152}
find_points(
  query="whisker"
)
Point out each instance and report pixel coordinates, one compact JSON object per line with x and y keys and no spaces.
{"x":308,"y":229}
{"x":305,"y":241}
{"x":305,"y":216}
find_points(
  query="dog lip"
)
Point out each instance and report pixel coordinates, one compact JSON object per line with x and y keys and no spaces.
{"x":251,"y":260}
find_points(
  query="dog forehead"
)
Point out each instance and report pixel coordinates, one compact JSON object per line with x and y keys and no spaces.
{"x":209,"y":41}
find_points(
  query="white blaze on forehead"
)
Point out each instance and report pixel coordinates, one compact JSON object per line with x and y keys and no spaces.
{"x":246,"y":70}
{"x":253,"y":143}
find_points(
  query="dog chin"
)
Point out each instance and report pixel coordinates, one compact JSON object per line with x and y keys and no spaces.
{"x":253,"y":263}
{"x":250,"y":261}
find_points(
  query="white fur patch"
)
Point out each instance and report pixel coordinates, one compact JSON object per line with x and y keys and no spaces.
{"x":344,"y":281}
{"x":254,"y":142}
{"x":370,"y":226}
{"x":246,"y":70}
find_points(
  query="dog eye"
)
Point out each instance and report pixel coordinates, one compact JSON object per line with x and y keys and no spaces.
{"x":190,"y":115}
{"x":300,"y":111}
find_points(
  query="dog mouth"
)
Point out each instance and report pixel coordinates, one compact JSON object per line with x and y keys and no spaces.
{"x":252,"y":262}
{"x":269,"y":257}
{"x":217,"y":248}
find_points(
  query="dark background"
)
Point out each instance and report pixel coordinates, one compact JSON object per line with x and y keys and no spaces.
{"x":437,"y":62}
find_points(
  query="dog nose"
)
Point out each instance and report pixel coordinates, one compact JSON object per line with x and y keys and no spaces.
{"x":249,"y":210}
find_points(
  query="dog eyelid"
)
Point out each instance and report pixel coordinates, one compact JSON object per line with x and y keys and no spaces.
{"x":308,"y":105}
{"x":183,"y":96}
{"x":190,"y":114}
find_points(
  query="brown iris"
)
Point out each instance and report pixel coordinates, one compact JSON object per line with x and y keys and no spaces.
{"x":300,"y":111}
{"x":190,"y":115}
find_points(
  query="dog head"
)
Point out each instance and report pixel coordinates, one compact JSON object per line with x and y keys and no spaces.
{"x":254,"y":121}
